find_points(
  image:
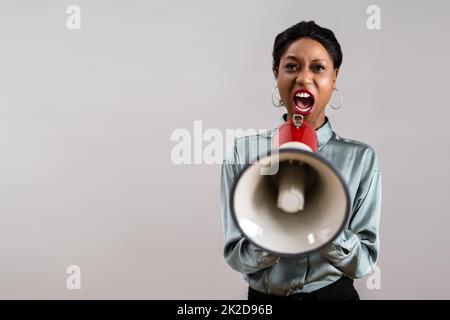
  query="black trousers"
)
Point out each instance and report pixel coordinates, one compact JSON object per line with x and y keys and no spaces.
{"x":342,"y":289}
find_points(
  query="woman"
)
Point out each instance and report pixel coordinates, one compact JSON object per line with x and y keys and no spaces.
{"x":307,"y":56}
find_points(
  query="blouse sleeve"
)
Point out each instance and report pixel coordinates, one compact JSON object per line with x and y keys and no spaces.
{"x":355,"y":251}
{"x":239,"y":253}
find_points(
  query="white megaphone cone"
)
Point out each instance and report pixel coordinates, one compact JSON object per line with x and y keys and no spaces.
{"x":291,"y":201}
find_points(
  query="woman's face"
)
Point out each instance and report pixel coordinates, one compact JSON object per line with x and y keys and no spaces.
{"x":306,"y":79}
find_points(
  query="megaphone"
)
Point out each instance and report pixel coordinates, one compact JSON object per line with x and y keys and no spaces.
{"x":299,"y":207}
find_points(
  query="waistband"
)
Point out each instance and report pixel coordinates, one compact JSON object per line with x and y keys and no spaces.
{"x":340,"y":289}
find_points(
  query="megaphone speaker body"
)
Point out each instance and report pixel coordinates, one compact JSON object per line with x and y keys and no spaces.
{"x":298,"y":210}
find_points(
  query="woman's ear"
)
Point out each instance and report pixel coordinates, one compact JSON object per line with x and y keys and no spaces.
{"x":335,"y":74}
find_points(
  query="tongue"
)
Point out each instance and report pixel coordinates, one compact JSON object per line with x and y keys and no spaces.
{"x":303,"y":102}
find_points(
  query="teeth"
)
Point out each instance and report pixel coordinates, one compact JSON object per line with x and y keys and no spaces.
{"x":303,"y":109}
{"x":302,"y":95}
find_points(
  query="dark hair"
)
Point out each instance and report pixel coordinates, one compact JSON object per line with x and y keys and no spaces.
{"x":311,"y":30}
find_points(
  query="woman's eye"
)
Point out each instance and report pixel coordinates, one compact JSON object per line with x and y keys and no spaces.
{"x":291,"y":67}
{"x":318,"y":68}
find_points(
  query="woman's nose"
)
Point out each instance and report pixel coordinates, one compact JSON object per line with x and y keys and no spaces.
{"x":304,"y":78}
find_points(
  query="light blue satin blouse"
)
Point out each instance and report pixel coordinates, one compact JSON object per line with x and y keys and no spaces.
{"x":353,"y":253}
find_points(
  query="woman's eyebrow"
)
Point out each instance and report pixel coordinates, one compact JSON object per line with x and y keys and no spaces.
{"x":291,"y":56}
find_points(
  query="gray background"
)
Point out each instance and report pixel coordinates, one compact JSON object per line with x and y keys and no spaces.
{"x":86,"y":119}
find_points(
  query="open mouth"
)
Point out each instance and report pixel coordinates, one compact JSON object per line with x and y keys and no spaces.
{"x":303,"y":101}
